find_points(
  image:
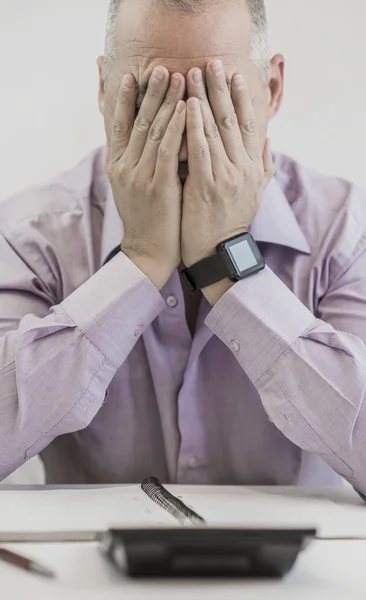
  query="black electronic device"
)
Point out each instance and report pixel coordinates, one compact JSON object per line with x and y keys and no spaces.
{"x":205,"y":551}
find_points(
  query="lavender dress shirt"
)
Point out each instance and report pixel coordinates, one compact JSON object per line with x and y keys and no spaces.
{"x":99,"y":373}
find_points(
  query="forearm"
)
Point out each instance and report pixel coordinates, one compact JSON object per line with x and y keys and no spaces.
{"x":52,"y":382}
{"x":316,"y":395}
{"x":311,"y":378}
{"x":54,"y":371}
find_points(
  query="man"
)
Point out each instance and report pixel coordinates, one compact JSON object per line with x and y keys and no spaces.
{"x":110,"y":366}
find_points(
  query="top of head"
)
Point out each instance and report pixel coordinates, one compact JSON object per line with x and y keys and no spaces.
{"x":259,"y":42}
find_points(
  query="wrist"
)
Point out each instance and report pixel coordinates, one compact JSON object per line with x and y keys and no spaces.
{"x":192,"y":256}
{"x":213,"y":293}
{"x":236,"y":258}
{"x":156,"y":271}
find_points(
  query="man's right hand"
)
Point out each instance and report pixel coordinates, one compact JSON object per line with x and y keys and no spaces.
{"x":143,"y":171}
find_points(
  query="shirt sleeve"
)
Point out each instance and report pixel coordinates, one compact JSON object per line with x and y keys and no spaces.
{"x":56,"y":361}
{"x":310,"y":371}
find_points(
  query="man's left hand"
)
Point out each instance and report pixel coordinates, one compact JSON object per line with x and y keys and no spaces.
{"x":227,"y":169}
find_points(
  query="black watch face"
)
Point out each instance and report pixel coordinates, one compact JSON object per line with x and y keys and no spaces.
{"x":245,"y":255}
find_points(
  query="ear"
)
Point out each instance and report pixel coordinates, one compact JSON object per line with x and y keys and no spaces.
{"x":276,"y":84}
{"x":101,"y":90}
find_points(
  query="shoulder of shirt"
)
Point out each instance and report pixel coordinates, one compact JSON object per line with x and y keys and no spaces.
{"x":327,"y":200}
{"x":69,"y":192}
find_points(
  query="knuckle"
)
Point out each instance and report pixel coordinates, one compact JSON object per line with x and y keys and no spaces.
{"x":123,"y":100}
{"x":221,"y":86}
{"x":230,"y":179}
{"x":246,"y":171}
{"x":169,"y":100}
{"x":156,"y":133}
{"x":249,"y":128}
{"x":135,"y":183}
{"x":172,"y":127}
{"x":253,"y":172}
{"x":230,"y":121}
{"x":211,"y":131}
{"x":153,"y":89}
{"x":164,"y":152}
{"x":120,"y":129}
{"x":201,"y":96}
{"x":200,"y":152}
{"x":122,"y":174}
{"x":116,"y":174}
{"x":142,"y":123}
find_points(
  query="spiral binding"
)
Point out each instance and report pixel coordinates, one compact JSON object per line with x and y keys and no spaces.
{"x":160,"y":495}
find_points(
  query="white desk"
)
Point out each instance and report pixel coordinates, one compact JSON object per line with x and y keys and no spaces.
{"x":327,"y":570}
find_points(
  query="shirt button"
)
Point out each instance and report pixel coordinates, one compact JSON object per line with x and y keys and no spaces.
{"x":193,"y":462}
{"x":171,"y":301}
{"x":139,"y":330}
{"x":234,"y":345}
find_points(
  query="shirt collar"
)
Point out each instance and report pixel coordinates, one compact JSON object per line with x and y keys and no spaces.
{"x":275,"y":223}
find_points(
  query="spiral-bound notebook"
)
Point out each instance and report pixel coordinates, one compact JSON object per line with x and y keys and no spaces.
{"x":196,"y":549}
{"x":154,"y":489}
{"x":79,"y":514}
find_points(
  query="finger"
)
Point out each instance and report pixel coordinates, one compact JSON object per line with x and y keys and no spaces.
{"x":224,"y":112}
{"x":155,"y":94}
{"x":196,"y":88}
{"x":199,"y":158}
{"x":107,"y":154}
{"x":168,"y":152}
{"x":123,"y":119}
{"x":268,"y":164}
{"x":246,"y":117}
{"x":158,"y":129}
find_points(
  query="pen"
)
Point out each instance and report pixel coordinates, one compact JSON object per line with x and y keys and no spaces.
{"x":24,"y":563}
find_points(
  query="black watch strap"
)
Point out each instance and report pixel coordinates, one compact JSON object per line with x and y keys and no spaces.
{"x":208,"y":271}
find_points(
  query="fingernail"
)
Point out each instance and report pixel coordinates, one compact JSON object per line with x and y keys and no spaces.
{"x":238,"y":81}
{"x":192,"y":104}
{"x":217,"y":67}
{"x":127,"y":81}
{"x":158,"y":74}
{"x":197,"y":76}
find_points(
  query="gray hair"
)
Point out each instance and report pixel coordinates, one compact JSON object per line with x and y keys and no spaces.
{"x":260,"y":46}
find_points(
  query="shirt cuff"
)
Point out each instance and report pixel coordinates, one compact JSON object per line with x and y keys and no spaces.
{"x":114,"y":307}
{"x":258,"y":319}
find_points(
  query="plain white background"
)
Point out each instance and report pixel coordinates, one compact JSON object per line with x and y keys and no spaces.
{"x":48,"y":108}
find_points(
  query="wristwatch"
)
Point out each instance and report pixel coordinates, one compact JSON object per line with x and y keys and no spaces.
{"x":236,"y":259}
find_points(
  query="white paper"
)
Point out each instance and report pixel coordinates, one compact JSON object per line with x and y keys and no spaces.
{"x":79,"y":510}
{"x":99,"y":509}
{"x":250,"y":508}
